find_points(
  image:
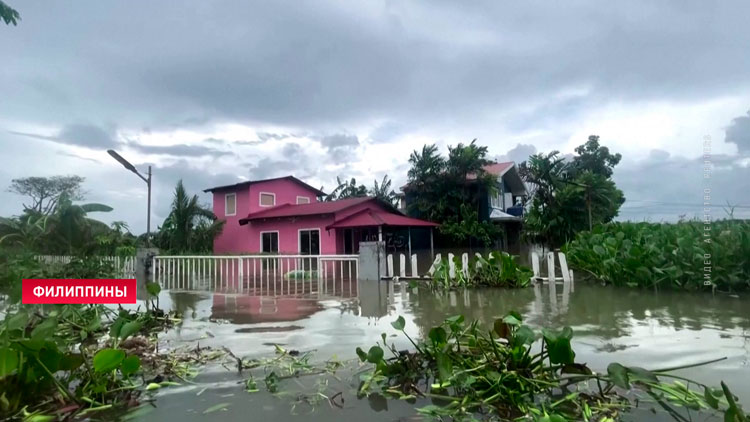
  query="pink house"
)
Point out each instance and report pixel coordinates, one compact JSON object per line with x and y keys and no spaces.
{"x":285,"y":215}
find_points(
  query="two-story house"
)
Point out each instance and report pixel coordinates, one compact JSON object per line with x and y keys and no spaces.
{"x":286,"y":216}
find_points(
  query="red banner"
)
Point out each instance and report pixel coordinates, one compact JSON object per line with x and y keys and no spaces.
{"x":76,"y":290}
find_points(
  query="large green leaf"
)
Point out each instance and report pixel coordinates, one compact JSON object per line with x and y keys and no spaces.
{"x":558,"y":346}
{"x":399,"y":323}
{"x":618,"y":374}
{"x":8,"y":361}
{"x":130,"y":365}
{"x":107,"y":360}
{"x":375,"y":354}
{"x":129,"y":328}
{"x":44,"y":329}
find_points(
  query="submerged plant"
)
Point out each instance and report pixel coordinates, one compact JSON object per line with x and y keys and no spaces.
{"x":514,"y":372}
{"x":498,"y":269}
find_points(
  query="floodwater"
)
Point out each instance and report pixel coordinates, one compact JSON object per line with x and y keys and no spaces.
{"x":633,"y":327}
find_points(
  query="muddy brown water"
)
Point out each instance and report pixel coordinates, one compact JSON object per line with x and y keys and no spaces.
{"x":633,"y":327}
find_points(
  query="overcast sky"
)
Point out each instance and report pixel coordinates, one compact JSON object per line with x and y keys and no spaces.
{"x":221,"y":91}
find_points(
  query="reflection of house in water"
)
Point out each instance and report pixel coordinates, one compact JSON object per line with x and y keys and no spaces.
{"x":256,"y":309}
{"x":284,"y":301}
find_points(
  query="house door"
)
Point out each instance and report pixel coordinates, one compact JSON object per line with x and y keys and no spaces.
{"x":309,"y":244}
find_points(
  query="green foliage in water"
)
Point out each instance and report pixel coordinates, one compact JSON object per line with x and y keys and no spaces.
{"x":301,"y":275}
{"x":498,"y":269}
{"x":687,"y":255}
{"x":497,"y":374}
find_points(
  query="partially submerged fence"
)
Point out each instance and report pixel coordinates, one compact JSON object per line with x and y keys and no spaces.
{"x":267,"y":273}
{"x":124,"y":265}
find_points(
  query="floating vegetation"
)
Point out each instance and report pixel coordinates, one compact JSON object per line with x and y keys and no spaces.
{"x":512,"y":372}
{"x":294,"y":365}
{"x":301,"y":275}
{"x":688,"y":255}
{"x":78,"y":359}
{"x":498,"y":269}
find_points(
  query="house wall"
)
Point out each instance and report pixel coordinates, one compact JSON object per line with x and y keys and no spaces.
{"x":232,"y":238}
{"x":288,"y":229}
{"x":241,"y":239}
{"x":236,"y":239}
{"x":286,"y":192}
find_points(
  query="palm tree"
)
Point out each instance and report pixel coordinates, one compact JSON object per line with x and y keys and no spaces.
{"x":346,"y":189}
{"x":8,"y":14}
{"x":425,"y":165}
{"x":72,"y":230}
{"x":384,"y":192}
{"x":23,"y":232}
{"x":189,"y":226}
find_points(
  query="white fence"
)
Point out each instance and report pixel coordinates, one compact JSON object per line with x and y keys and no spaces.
{"x":270,"y":274}
{"x":125,"y":266}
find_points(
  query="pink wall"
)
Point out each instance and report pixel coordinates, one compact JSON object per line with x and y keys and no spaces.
{"x":289,"y":233}
{"x":286,"y":192}
{"x":231,"y":238}
{"x":245,"y":239}
{"x":236,"y":239}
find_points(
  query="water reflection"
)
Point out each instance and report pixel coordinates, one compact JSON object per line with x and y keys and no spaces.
{"x":628,"y":326}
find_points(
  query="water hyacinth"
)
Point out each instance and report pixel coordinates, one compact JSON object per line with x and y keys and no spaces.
{"x":687,"y":255}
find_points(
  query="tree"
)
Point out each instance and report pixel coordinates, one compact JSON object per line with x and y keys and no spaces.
{"x":346,"y":189}
{"x":72,"y":230}
{"x":189,"y":225}
{"x":66,"y":231}
{"x":384,"y":192}
{"x":8,"y":14}
{"x":448,"y":190}
{"x":569,"y":196}
{"x":45,"y":192}
{"x":595,"y":158}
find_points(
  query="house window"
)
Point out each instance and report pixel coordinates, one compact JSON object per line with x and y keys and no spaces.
{"x":309,"y":242}
{"x":303,"y":200}
{"x":267,"y":199}
{"x":230,"y":204}
{"x":269,"y":242}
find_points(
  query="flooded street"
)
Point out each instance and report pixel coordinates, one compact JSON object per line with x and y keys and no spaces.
{"x":652,"y":330}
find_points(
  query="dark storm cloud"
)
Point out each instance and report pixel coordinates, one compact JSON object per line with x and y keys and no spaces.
{"x":295,"y":162}
{"x":738,"y":133}
{"x":83,"y":135}
{"x":178,"y":150}
{"x":322,"y":63}
{"x":341,"y":147}
{"x":70,"y":154}
{"x":680,"y":187}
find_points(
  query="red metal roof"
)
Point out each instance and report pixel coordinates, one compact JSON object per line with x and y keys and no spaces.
{"x":496,"y":169}
{"x":313,"y":208}
{"x":374,"y":217}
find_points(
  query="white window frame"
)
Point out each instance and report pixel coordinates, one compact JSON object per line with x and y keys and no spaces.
{"x":306,"y":198}
{"x":260,"y":203}
{"x":299,"y":239}
{"x":278,"y":241}
{"x":226,"y":196}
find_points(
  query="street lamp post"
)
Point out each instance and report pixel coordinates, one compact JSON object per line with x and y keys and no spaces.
{"x":131,"y":167}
